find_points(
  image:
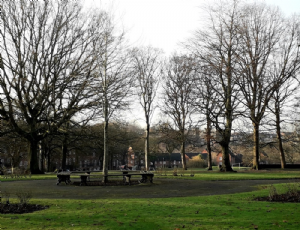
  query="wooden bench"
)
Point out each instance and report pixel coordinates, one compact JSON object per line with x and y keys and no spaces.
{"x":145,"y":177}
{"x":126,"y":177}
{"x":84,"y":178}
{"x":63,"y":177}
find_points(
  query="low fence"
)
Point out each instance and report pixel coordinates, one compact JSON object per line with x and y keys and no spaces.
{"x":278,"y":166}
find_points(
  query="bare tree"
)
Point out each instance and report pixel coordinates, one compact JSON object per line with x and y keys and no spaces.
{"x":178,"y":100}
{"x":13,"y":148}
{"x":215,"y":46}
{"x":286,"y":64}
{"x":205,"y":103}
{"x":46,"y":56}
{"x":277,"y":106}
{"x":268,"y":56}
{"x":169,"y":139}
{"x":147,"y":66}
{"x":114,"y":77}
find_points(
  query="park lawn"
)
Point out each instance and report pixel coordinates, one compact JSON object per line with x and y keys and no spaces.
{"x":199,"y":174}
{"x":239,"y":175}
{"x":236,"y":211}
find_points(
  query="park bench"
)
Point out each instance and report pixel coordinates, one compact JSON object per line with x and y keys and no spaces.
{"x":63,"y":177}
{"x":84,"y":178}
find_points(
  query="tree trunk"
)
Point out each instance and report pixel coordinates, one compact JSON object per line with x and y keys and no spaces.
{"x":182,"y":152}
{"x":49,"y":160}
{"x":278,"y":130}
{"x":34,"y":163}
{"x":225,"y":135}
{"x":41,"y":157}
{"x":147,"y":146}
{"x":255,"y":146}
{"x":226,"y":167}
{"x":64,"y":155}
{"x":208,"y":146}
{"x":105,"y":153}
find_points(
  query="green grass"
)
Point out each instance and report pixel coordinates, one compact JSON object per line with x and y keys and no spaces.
{"x":32,"y":177}
{"x":199,"y":174}
{"x":241,"y":174}
{"x":237,"y":211}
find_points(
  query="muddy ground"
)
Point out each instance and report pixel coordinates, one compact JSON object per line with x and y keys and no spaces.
{"x":161,"y":188}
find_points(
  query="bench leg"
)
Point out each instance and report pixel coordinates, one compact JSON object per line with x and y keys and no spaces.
{"x":144,"y":179}
{"x":105,"y":179}
{"x":151,"y":179}
{"x":68,"y":180}
{"x":83,"y":180}
{"x":126,"y":179}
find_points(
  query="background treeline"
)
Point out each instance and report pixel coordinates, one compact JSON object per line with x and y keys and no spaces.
{"x":64,"y":69}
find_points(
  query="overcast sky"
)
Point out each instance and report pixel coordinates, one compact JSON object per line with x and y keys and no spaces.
{"x":165,"y":23}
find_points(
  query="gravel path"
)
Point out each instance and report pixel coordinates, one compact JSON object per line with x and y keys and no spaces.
{"x":161,"y":188}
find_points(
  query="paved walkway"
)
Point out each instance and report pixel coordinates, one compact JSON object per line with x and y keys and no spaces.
{"x":160,"y":189}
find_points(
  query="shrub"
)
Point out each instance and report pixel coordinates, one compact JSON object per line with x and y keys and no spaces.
{"x":196,"y":162}
{"x":292,"y":189}
{"x":24,"y":197}
{"x":272,"y":192}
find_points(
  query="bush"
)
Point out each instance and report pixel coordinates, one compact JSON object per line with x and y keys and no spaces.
{"x":24,"y":197}
{"x":196,"y":162}
{"x":272,"y":192}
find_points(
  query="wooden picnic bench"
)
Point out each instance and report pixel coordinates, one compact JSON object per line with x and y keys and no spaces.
{"x":63,"y":177}
{"x":84,"y":178}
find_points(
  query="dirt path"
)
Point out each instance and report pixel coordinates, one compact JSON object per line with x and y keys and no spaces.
{"x":161,"y":188}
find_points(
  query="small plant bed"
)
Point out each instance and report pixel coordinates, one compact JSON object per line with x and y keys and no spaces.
{"x":292,"y":194}
{"x":287,"y":197}
{"x":23,"y":206}
{"x":7,"y":208}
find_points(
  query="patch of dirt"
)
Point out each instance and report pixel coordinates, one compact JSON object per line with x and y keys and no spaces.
{"x":7,"y":208}
{"x":160,"y":188}
{"x":110,"y":183}
{"x":287,"y":197}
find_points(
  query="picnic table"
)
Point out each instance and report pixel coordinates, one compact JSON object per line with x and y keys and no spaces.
{"x":145,"y":176}
{"x":63,"y":177}
{"x":84,"y":178}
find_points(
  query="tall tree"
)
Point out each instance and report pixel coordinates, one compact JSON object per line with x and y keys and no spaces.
{"x":46,"y":57}
{"x":114,"y":76}
{"x":178,"y":101}
{"x":205,"y":104}
{"x":268,"y":56}
{"x":285,"y":67}
{"x":215,"y":46}
{"x":147,"y":67}
{"x":278,"y":106}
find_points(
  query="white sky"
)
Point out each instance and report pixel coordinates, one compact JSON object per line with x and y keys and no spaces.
{"x":165,"y":23}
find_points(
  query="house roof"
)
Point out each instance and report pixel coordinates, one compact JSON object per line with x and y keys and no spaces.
{"x":174,"y":156}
